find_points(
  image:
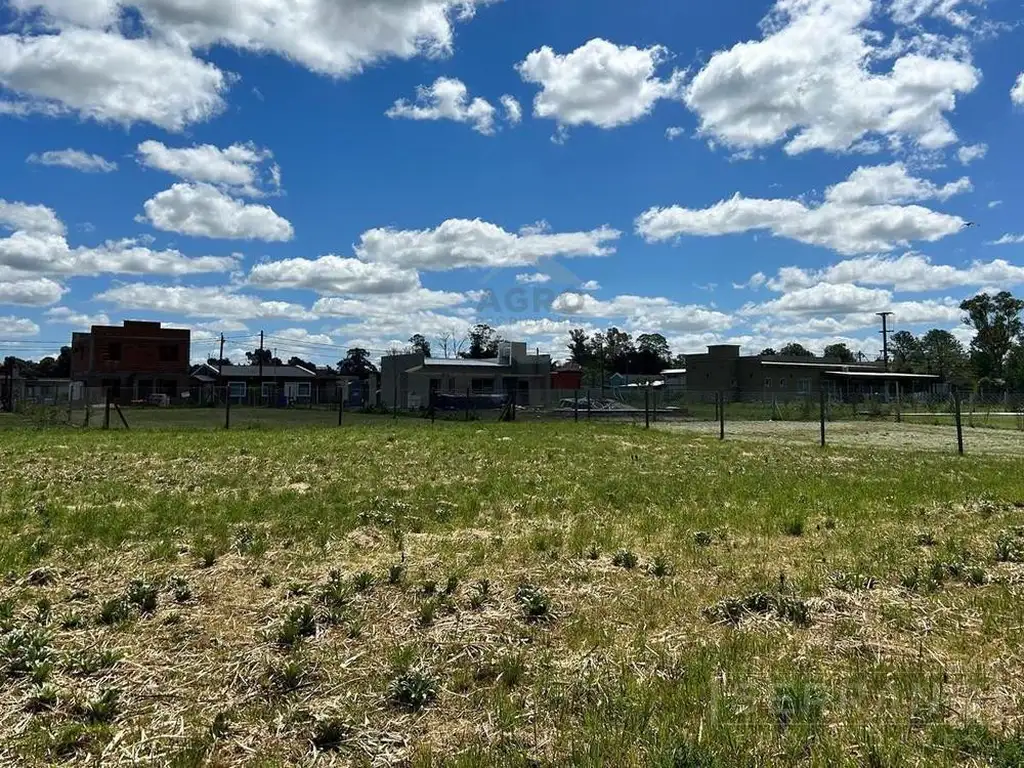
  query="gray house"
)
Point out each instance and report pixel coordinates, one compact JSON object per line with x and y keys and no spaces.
{"x":409,"y":379}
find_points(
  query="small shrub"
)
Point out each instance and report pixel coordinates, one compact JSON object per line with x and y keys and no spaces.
{"x":798,"y":702}
{"x":976,"y":576}
{"x":661,"y":567}
{"x":23,"y":650}
{"x":288,"y":675}
{"x":396,"y":574}
{"x":363,"y":581}
{"x":624,"y":558}
{"x":180,"y":589}
{"x":689,"y":755}
{"x":43,"y":699}
{"x":102,"y":708}
{"x":451,"y":586}
{"x":429,"y":587}
{"x":330,"y":732}
{"x":731,"y":610}
{"x":702,"y":538}
{"x":794,"y":525}
{"x":1008,"y":548}
{"x":535,"y":602}
{"x":90,"y":662}
{"x":208,"y":555}
{"x":428,"y":612}
{"x":298,"y":623}
{"x":336,"y":593}
{"x":114,"y":611}
{"x":71,"y":620}
{"x":412,"y":690}
{"x":852,"y":582}
{"x":511,"y":668}
{"x":142,"y":595}
{"x":44,"y":608}
{"x":925,"y":539}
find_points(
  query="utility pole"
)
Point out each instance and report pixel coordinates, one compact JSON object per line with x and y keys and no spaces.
{"x":261,"y":369}
{"x":885,"y":336}
{"x":220,"y":360}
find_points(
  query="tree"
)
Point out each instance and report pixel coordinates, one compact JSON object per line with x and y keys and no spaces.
{"x":266,"y":355}
{"x":451,"y":343}
{"x":300,"y":363}
{"x":997,"y":324}
{"x":419,"y":344}
{"x":768,"y":352}
{"x":795,"y":350}
{"x":841,"y":352}
{"x":943,"y":355}
{"x":652,"y":354}
{"x":905,"y":352}
{"x":357,"y":363}
{"x":580,"y":351}
{"x":217,"y":362}
{"x":618,"y":350}
{"x":483,"y":343}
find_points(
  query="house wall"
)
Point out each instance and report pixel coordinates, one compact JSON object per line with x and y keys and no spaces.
{"x":134,"y":360}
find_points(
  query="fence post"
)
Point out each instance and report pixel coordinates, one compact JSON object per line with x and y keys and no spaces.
{"x":822,"y":417}
{"x":654,"y":404}
{"x":106,"y":411}
{"x":576,"y":406}
{"x":959,"y":422}
{"x":468,"y":396}
{"x":899,"y":414}
{"x":647,"y":407}
{"x":721,"y":415}
{"x":341,"y":404}
{"x":589,"y":404}
{"x":227,"y":408}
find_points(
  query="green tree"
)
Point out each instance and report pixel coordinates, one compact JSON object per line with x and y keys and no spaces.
{"x":580,"y":350}
{"x":841,"y":352}
{"x":768,"y":352}
{"x":265,"y":355}
{"x":652,"y":354}
{"x":483,"y":343}
{"x":905,"y":352}
{"x":300,"y":363}
{"x":997,"y":325}
{"x":795,"y":350}
{"x":357,"y":363}
{"x":943,"y":355}
{"x":419,"y":344}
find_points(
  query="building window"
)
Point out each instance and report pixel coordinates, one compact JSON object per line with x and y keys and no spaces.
{"x":168,"y":353}
{"x":114,"y":351}
{"x":236,"y":390}
{"x":482,"y":386}
{"x":768,"y":383}
{"x":803,"y":386}
{"x":268,"y":390}
{"x":782,"y":382}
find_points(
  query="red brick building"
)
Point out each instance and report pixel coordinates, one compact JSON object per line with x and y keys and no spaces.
{"x":134,"y":360}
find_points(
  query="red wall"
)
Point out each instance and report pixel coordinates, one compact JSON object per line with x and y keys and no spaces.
{"x":567,"y":380}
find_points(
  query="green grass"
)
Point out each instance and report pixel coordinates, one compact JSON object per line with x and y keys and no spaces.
{"x":601,"y":595}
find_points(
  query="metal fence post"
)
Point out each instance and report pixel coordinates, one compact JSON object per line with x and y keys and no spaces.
{"x":106,"y":411}
{"x":576,"y":406}
{"x":341,"y":405}
{"x":589,"y":404}
{"x":647,"y":407}
{"x":721,"y":415}
{"x":899,"y":414}
{"x":959,"y":422}
{"x":468,"y":396}
{"x":227,"y":408}
{"x":822,"y":417}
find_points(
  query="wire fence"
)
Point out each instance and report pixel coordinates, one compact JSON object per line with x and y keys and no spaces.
{"x":808,"y":416}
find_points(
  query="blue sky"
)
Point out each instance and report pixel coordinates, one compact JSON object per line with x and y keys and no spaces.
{"x":343,"y":173}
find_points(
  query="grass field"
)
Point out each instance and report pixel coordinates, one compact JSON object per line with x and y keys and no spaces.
{"x":505,"y":594}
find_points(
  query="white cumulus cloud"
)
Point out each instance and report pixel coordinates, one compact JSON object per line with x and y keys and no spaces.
{"x":202,"y":210}
{"x":75,"y":319}
{"x":513,"y":110}
{"x":968,"y":153}
{"x":239,"y":168}
{"x":818,"y":79}
{"x":30,"y":218}
{"x":465,"y":243}
{"x":102,"y":76}
{"x":39,"y":292}
{"x":533,"y":278}
{"x":334,"y":274}
{"x":74,"y":159}
{"x":1017,"y":92}
{"x":17,"y":326}
{"x":600,"y":83}
{"x":447,"y":99}
{"x":200,"y":301}
{"x":844,"y":222}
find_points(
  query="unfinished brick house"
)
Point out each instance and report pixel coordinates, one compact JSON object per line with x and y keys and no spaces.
{"x":134,"y":360}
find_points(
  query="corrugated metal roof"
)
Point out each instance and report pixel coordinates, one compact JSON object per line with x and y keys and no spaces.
{"x":881,"y":375}
{"x":459,"y":362}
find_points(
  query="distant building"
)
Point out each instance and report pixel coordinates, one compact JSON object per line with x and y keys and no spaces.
{"x":132,"y":361}
{"x":567,"y":377}
{"x":253,"y":385}
{"x":410,"y":378}
{"x":780,"y":377}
